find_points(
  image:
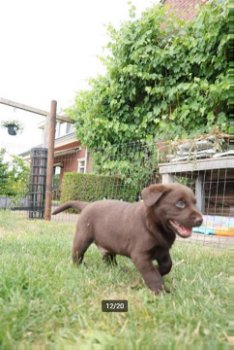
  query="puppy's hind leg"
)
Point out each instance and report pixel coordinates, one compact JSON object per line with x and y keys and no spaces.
{"x":107,"y":257}
{"x":110,"y":259}
{"x":80,"y":245}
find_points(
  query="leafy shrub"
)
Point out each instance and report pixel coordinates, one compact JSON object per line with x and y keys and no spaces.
{"x":135,"y":163}
{"x":91,"y":187}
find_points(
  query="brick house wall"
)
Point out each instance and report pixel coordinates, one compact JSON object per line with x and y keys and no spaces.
{"x":68,"y":157}
{"x":184,"y":9}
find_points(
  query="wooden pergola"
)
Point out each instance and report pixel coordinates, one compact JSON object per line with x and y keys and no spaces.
{"x":50,"y":137}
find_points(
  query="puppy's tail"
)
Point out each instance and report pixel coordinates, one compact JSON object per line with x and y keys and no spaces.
{"x":77,"y":205}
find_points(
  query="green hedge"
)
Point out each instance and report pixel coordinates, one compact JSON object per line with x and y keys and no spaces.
{"x":91,"y":187}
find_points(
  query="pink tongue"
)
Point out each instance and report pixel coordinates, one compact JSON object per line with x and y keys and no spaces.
{"x":184,"y":231}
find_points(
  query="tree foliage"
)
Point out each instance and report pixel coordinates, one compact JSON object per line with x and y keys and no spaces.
{"x":3,"y":173}
{"x":164,"y":78}
{"x":13,"y":175}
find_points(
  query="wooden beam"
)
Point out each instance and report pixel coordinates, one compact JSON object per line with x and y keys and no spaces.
{"x":197,"y":165}
{"x":33,"y":110}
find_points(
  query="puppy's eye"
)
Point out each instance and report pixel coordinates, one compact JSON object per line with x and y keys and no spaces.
{"x":181,"y":204}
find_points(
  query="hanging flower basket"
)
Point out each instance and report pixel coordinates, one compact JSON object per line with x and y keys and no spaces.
{"x":13,"y":127}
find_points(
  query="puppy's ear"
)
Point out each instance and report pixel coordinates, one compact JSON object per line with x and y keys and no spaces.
{"x":153,"y":193}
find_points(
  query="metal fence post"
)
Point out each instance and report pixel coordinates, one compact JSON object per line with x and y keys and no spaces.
{"x":37,"y":183}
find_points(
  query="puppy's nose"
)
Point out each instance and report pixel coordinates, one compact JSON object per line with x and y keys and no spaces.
{"x":198,"y":220}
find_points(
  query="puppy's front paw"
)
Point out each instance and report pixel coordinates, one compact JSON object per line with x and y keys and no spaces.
{"x":162,"y":289}
{"x":166,"y":289}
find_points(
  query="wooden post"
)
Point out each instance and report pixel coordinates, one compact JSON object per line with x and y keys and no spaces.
{"x":200,"y":193}
{"x":50,"y":160}
{"x":167,"y":179}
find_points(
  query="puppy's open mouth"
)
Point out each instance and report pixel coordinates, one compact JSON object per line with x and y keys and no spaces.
{"x":180,"y":229}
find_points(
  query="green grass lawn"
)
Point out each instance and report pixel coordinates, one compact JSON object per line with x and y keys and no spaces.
{"x":47,"y":303}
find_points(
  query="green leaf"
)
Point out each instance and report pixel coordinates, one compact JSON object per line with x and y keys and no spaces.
{"x":160,"y":80}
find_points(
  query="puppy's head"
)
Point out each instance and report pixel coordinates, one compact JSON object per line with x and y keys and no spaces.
{"x":173,"y":206}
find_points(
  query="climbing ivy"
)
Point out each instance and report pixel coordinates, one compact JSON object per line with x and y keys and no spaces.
{"x":164,"y":78}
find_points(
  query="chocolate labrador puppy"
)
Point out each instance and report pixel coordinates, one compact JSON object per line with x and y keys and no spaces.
{"x":143,"y":231}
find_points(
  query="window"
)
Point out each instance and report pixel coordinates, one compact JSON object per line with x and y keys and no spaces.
{"x":57,"y":170}
{"x":57,"y":130}
{"x":63,"y":129}
{"x":70,"y":128}
{"x":81,"y":165}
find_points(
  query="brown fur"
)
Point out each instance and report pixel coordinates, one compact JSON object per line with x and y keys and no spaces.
{"x":143,"y":231}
